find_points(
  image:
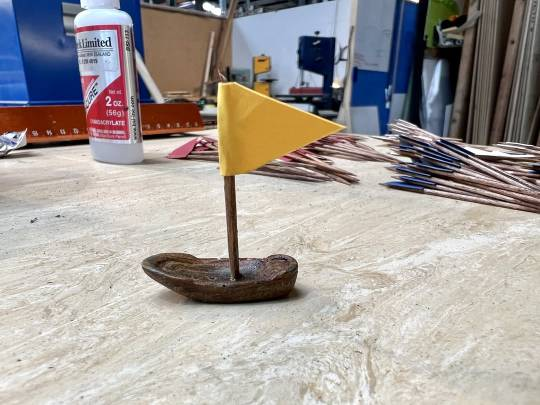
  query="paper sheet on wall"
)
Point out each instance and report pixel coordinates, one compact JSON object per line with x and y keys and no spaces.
{"x":374,"y":25}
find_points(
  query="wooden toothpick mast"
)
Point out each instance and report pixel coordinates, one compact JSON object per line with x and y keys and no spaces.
{"x":232,"y":227}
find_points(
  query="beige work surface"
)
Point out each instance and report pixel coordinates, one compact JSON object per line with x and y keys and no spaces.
{"x":400,"y":298}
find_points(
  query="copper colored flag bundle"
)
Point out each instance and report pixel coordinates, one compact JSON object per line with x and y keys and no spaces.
{"x":302,"y":165}
{"x":445,"y":168}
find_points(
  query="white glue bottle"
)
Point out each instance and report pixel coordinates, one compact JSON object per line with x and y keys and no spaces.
{"x":106,"y":53}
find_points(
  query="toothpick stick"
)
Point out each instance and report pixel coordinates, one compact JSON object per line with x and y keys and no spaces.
{"x":232,"y":228}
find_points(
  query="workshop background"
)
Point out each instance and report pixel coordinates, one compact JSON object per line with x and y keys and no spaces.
{"x":434,"y":63}
{"x":415,"y":228}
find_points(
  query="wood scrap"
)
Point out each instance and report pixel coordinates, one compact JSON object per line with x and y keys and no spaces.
{"x":463,"y":88}
{"x":532,"y":137}
{"x":223,"y":41}
{"x":207,"y":65}
{"x":505,"y":85}
{"x":525,"y":86}
{"x":493,"y":29}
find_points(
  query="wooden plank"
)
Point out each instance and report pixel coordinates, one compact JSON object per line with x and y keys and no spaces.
{"x":473,"y":103}
{"x":472,"y":99}
{"x":535,"y":125}
{"x":505,"y":86}
{"x":46,"y":124}
{"x":176,"y":44}
{"x":463,"y":89}
{"x":497,"y":39}
{"x":492,"y":33}
{"x":223,"y":42}
{"x":531,"y":83}
{"x":501,"y":31}
{"x":514,"y":114}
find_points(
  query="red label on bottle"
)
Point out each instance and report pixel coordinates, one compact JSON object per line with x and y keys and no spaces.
{"x":106,"y":58}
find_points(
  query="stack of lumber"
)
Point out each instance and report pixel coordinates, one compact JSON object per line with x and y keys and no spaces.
{"x":507,"y":175}
{"x":523,"y":116}
{"x":491,"y":38}
{"x":497,"y":98}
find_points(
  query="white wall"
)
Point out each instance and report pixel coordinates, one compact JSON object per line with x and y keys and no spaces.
{"x":276,"y":34}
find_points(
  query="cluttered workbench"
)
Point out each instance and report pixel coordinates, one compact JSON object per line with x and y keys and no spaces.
{"x":400,"y":298}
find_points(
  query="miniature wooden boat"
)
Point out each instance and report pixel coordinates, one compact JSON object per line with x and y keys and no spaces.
{"x":209,"y":280}
{"x":233,"y":279}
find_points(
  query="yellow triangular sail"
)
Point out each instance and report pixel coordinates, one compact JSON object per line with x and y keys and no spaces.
{"x":255,"y":129}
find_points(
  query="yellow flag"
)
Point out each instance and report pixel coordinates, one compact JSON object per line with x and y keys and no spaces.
{"x":255,"y":129}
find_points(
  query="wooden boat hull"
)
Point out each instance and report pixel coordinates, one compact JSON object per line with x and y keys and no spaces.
{"x":209,"y":280}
